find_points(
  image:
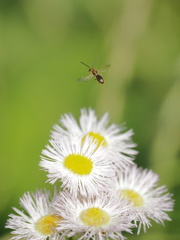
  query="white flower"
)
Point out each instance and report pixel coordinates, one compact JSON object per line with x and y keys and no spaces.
{"x":81,"y":167}
{"x":40,"y":219}
{"x":95,"y":218}
{"x":150,"y":202}
{"x":118,"y":144}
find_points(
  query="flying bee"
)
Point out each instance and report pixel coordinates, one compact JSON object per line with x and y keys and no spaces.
{"x":94,"y":73}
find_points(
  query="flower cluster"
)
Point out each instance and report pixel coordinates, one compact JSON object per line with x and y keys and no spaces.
{"x":103,"y":192}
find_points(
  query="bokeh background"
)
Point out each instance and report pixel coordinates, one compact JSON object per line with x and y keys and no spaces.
{"x":42,"y":43}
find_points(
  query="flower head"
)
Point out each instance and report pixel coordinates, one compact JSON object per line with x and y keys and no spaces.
{"x":95,"y":218}
{"x":117,"y":143}
{"x":150,"y":202}
{"x":40,"y":220}
{"x":81,"y":167}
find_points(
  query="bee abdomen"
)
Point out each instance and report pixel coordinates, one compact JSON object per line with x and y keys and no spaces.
{"x":100,"y":79}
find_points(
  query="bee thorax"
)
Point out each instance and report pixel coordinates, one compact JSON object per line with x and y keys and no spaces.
{"x":93,"y":71}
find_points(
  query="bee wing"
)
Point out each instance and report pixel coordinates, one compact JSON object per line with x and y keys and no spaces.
{"x":104,"y":68}
{"x":85,"y":79}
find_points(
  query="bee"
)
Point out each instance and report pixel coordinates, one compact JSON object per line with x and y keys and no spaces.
{"x":95,"y":73}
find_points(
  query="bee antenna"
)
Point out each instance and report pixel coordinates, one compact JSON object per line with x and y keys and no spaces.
{"x":85,"y":64}
{"x":94,"y":61}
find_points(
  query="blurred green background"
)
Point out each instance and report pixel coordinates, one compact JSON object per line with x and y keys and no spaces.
{"x":42,"y":43}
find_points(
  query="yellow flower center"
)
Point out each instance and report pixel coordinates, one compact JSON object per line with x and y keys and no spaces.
{"x":45,"y":225}
{"x":78,"y":164}
{"x":95,"y":217}
{"x":133,"y":196}
{"x":97,"y":137}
